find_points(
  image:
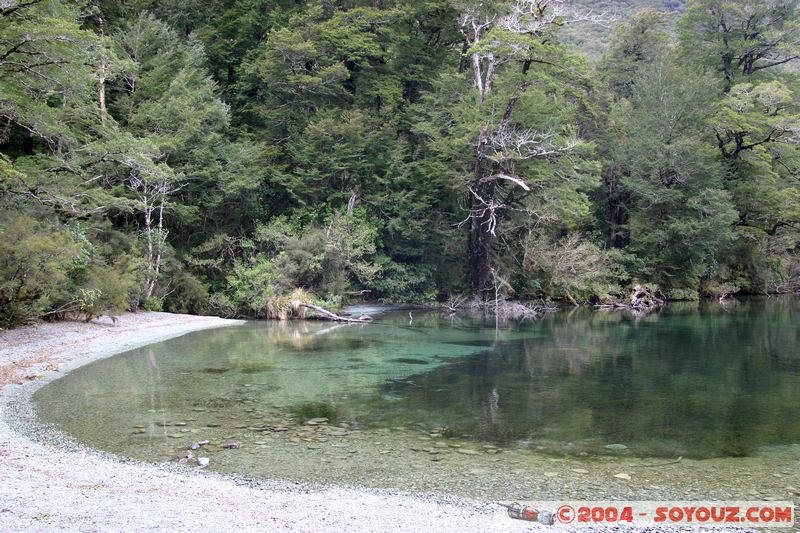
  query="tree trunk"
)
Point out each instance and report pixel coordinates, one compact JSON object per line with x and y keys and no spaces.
{"x":102,"y":75}
{"x":618,"y":213}
{"x":479,"y":236}
{"x":479,"y":243}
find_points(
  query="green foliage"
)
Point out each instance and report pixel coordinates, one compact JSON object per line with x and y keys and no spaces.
{"x":326,"y":260}
{"x":740,"y":38}
{"x":680,"y":218}
{"x":252,"y":150}
{"x":398,"y":282}
{"x":108,"y":290}
{"x":571,"y":268}
{"x":188,"y":295}
{"x":35,"y":261}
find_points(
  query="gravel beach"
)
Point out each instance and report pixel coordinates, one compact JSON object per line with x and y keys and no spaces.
{"x":47,"y":485}
{"x":48,"y":482}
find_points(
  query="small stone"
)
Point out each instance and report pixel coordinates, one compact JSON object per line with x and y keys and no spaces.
{"x":551,"y":474}
{"x":316,"y":421}
{"x":580,"y":471}
{"x":231,"y":446}
{"x":466,"y":451}
{"x":626,"y":477}
{"x":213,"y":425}
{"x":204,"y":442}
{"x":139,"y":427}
{"x":616,"y":447}
{"x":435,"y":435}
{"x":203,"y":461}
{"x":139,"y":430}
{"x":440,"y":445}
{"x":175,"y":435}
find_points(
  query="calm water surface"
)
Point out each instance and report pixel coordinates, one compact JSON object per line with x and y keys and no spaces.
{"x":696,"y":380}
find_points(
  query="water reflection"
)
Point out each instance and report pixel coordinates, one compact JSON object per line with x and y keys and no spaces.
{"x":696,"y":379}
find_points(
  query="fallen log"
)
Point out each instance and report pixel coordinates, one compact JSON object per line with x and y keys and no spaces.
{"x":333,"y":316}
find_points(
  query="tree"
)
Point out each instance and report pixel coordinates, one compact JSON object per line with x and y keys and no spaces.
{"x":680,"y":215}
{"x":740,"y":38}
{"x":516,"y":156}
{"x":635,"y":45}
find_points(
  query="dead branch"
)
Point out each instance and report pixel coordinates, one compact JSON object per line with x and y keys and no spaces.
{"x":363,"y":319}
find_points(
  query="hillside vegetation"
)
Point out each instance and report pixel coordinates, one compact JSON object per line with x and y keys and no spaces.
{"x":236,"y":157}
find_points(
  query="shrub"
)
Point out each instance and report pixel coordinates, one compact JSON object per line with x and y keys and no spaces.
{"x":404,"y":283}
{"x":572,"y":268}
{"x":189,"y":295}
{"x":35,"y":260}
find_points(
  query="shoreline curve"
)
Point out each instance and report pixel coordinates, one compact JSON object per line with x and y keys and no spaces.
{"x":50,"y":482}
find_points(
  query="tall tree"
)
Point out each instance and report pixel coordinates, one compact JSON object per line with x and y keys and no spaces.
{"x":681,"y":217}
{"x":635,"y":45}
{"x":740,"y":38}
{"x":516,"y":69}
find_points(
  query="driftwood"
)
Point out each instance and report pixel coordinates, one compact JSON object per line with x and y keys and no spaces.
{"x":640,"y":300}
{"x":363,"y":319}
{"x":501,"y":308}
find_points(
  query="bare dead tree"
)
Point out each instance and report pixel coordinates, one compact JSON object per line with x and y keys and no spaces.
{"x":495,"y":184}
{"x":152,"y":190}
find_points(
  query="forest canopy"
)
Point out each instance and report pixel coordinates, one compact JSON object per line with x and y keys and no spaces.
{"x":232,"y":156}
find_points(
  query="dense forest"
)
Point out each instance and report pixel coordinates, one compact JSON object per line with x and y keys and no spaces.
{"x":232,"y":156}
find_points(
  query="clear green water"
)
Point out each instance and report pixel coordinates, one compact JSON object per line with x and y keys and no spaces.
{"x":696,"y":380}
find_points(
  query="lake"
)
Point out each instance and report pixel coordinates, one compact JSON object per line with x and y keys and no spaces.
{"x":411,"y":400}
